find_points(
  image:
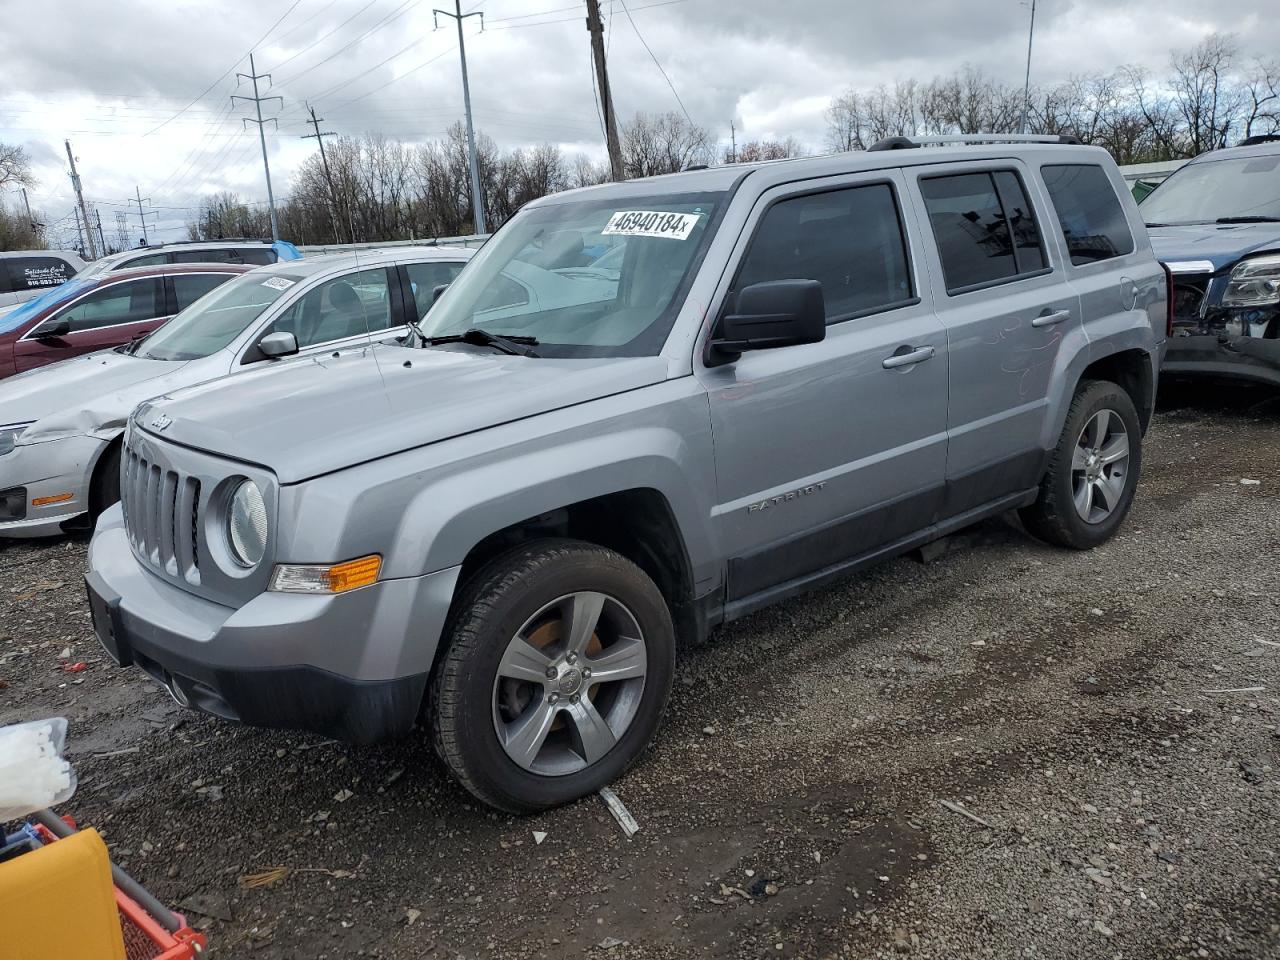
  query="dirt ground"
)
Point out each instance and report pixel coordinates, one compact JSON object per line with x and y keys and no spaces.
{"x":1006,"y":751}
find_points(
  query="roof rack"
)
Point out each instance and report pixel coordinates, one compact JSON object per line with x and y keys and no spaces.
{"x":179,"y":243}
{"x":1258,"y":138}
{"x":908,"y":143}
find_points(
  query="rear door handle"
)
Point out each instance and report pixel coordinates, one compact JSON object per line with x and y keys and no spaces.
{"x":918,"y":355}
{"x":1049,"y":319}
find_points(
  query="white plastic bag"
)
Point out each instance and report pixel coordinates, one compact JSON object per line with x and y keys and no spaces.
{"x":33,"y":774}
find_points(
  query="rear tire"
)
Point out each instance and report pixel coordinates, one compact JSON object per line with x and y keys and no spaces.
{"x":522,"y":720}
{"x":1088,"y":488}
{"x":106,"y":483}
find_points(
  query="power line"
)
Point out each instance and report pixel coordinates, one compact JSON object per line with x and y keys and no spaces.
{"x":322,"y":39}
{"x":655,"y":59}
{"x":226,"y":73}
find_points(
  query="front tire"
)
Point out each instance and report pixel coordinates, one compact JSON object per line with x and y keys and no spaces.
{"x":1093,"y":471}
{"x":557,"y":671}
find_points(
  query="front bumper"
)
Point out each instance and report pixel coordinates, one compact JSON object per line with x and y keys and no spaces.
{"x":352,"y":666}
{"x":54,"y":468}
{"x":1247,"y":358}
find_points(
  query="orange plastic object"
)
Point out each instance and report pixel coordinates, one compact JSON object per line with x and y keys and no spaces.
{"x":59,"y":901}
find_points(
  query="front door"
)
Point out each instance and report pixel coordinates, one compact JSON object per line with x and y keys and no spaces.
{"x":827,"y":451}
{"x":1007,"y":313}
{"x":106,"y":317}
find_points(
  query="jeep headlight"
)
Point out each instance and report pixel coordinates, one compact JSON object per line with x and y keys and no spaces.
{"x":1254,"y":282}
{"x":9,"y":437}
{"x":247,"y":524}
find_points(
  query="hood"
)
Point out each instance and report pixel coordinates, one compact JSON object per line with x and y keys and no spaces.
{"x":82,"y":394}
{"x":1222,"y":244}
{"x":306,"y":417}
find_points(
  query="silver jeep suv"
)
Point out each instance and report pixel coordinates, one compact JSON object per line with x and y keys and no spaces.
{"x":643,"y":409}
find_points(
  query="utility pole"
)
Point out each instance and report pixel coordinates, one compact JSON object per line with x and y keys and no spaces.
{"x":84,"y":214}
{"x":257,"y":100}
{"x":79,"y":232}
{"x":97,"y":216}
{"x":596,"y":28}
{"x":733,"y":143}
{"x":142,"y":217}
{"x":477,"y":199}
{"x":324,"y":160}
{"x":1026,"y":85}
{"x":27,"y":203}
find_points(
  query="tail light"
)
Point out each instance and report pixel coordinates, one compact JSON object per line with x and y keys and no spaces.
{"x":1168,"y":287}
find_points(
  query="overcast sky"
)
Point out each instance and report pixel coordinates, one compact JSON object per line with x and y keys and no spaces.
{"x":117,"y":78}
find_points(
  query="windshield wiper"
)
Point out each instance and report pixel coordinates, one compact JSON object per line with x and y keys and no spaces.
{"x":1249,"y":218}
{"x":514,"y":344}
{"x":134,"y":343}
{"x":413,"y":326}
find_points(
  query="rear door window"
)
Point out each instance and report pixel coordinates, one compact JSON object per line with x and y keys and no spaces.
{"x":258,"y":256}
{"x":1093,"y":222}
{"x":850,"y":240}
{"x":425,"y":277}
{"x":984,"y":226}
{"x":190,"y":287}
{"x":205,"y":256}
{"x":114,"y":305}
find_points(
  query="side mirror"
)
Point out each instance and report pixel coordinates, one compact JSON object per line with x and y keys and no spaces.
{"x":53,"y":329}
{"x":437,"y":290}
{"x":777,"y":313}
{"x":276,"y":345}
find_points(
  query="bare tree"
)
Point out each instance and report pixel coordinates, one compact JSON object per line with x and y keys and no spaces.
{"x":754,"y":151}
{"x":1262,"y":99}
{"x":1204,"y":95}
{"x":15,"y":166}
{"x":663,"y":143}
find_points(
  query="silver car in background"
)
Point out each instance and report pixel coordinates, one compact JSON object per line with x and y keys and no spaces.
{"x":60,"y":426}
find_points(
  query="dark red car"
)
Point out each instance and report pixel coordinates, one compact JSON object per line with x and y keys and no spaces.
{"x":93,"y":313}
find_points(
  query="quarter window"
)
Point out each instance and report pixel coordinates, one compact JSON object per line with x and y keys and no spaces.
{"x":1093,"y":222}
{"x":152,"y":260}
{"x":131,"y":302}
{"x":34,"y":273}
{"x":349,"y":306}
{"x":850,"y":240}
{"x":984,"y":226}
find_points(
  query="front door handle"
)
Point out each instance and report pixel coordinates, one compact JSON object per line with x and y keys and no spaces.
{"x":1049,"y":319}
{"x":918,"y":355}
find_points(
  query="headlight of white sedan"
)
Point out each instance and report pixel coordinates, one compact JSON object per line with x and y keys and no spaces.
{"x":1254,"y":282}
{"x":9,"y":436}
{"x":247,"y":524}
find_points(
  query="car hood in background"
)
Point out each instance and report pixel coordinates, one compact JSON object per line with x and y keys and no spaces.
{"x":307,"y":417}
{"x":1221,"y":244}
{"x":83,"y":394}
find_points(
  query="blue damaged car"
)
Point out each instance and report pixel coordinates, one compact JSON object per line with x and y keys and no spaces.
{"x":1215,"y":224}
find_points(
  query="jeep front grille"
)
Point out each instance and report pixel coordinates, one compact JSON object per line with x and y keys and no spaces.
{"x":162,"y":516}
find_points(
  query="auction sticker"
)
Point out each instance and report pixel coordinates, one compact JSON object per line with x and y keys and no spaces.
{"x":652,"y":223}
{"x":278,"y":283}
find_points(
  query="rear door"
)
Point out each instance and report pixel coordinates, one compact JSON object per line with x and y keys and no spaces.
{"x":106,"y":316}
{"x":1007,"y":310}
{"x":827,"y":451}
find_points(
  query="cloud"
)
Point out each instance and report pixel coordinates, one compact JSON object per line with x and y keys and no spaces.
{"x":110,"y":74}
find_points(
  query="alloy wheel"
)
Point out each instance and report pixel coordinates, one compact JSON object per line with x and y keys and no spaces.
{"x":569,"y":684}
{"x":1100,"y":466}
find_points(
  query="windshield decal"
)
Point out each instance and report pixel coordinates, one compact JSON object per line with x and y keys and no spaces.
{"x":278,"y":283}
{"x":652,"y":223}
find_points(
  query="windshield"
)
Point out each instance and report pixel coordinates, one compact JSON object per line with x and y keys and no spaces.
{"x":586,"y":278}
{"x":1206,"y":192}
{"x":216,"y":319}
{"x":51,"y":297}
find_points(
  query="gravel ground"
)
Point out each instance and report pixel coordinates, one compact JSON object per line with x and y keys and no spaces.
{"x":1006,"y":751}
